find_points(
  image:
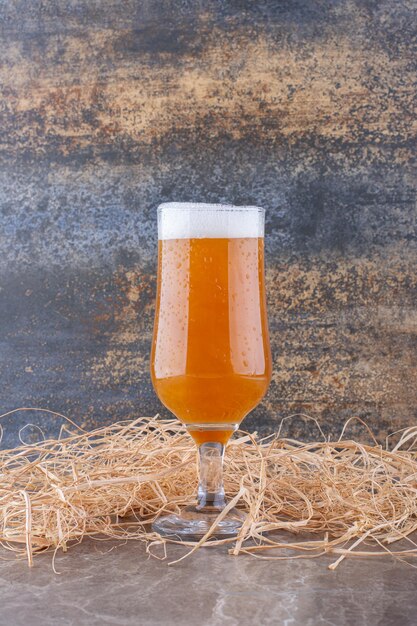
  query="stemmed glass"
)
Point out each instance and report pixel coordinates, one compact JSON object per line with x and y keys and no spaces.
{"x":210,"y":360}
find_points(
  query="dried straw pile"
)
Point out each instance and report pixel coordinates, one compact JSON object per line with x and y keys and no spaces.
{"x":351,"y":499}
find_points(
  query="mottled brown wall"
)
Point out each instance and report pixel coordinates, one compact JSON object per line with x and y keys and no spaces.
{"x":307,"y":108}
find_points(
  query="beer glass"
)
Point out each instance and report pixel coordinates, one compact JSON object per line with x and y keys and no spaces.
{"x":210,"y":360}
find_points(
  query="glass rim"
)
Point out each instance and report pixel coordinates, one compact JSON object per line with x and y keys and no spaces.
{"x":203,"y":206}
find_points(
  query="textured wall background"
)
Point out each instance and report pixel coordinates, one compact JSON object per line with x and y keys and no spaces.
{"x":108,"y":108}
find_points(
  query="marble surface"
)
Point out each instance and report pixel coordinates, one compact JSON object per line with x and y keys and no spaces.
{"x":99,"y":584}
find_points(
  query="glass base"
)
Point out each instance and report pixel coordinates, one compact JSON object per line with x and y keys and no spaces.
{"x":192,"y":524}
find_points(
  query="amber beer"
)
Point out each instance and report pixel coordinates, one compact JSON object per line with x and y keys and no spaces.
{"x":210,"y":362}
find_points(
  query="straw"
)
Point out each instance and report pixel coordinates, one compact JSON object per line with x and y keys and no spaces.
{"x":342,"y":497}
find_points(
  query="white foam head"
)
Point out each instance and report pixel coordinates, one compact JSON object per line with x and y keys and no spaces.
{"x":186,"y":220}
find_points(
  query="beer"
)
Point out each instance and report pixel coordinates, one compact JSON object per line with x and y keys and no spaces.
{"x":210,"y":362}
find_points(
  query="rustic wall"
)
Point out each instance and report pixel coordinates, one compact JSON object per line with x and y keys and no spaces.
{"x":304,"y":107}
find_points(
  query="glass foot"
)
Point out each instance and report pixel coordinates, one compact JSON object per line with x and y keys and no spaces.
{"x":192,"y":524}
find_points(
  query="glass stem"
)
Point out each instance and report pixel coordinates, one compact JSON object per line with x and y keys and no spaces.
{"x":210,"y":488}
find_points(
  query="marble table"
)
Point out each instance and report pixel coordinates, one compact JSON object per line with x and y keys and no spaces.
{"x":100,"y":583}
